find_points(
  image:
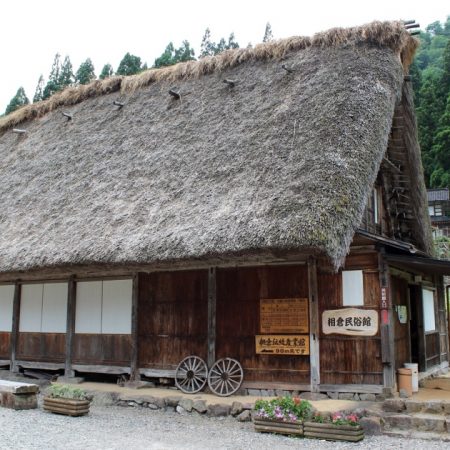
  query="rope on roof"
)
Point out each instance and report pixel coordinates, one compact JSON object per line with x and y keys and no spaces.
{"x":230,"y":83}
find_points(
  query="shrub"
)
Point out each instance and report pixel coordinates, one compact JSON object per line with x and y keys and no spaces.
{"x":66,"y":391}
{"x":285,"y":409}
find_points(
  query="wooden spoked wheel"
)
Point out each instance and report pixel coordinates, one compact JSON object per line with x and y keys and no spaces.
{"x":191,"y":375}
{"x":225,"y":377}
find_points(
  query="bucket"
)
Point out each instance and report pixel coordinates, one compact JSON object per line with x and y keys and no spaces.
{"x":415,"y":375}
{"x":405,"y":380}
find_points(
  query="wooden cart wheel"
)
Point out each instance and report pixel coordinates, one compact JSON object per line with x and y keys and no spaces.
{"x":191,"y":375}
{"x":225,"y":377}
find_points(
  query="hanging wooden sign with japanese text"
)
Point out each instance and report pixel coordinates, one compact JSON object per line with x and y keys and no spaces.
{"x":350,"y":321}
{"x":284,"y":315}
{"x":282,"y":344}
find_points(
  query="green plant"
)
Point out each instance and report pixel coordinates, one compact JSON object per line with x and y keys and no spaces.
{"x":285,"y":409}
{"x":66,"y":391}
{"x":337,"y":418}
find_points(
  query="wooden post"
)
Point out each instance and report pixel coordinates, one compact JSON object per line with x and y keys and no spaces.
{"x":211,"y":357}
{"x":134,"y":373}
{"x":386,"y":327}
{"x":314,"y":325}
{"x":442,"y":323}
{"x":15,"y":327}
{"x":70,"y":326}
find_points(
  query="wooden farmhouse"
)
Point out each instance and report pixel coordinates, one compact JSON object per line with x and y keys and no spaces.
{"x":265,"y":205}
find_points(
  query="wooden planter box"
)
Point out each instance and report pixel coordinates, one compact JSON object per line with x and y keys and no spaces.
{"x":276,"y":426}
{"x":332,"y":432}
{"x":66,"y":406}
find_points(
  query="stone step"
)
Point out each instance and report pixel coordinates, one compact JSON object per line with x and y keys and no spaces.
{"x":417,"y":422}
{"x":411,"y":406}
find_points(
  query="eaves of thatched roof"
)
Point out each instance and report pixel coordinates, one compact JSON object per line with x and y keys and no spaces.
{"x":282,"y":161}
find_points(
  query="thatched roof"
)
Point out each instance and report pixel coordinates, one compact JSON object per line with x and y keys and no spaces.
{"x":280,"y":162}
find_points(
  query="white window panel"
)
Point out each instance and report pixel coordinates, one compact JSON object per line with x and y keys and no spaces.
{"x":88,"y":317}
{"x":6,"y":307}
{"x":54,"y":308}
{"x":116,"y":312}
{"x":352,"y":288}
{"x":31,"y":308}
{"x":429,"y":316}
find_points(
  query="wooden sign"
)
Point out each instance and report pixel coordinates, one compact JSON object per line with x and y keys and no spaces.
{"x":284,"y":315}
{"x":282,"y":344}
{"x":350,"y":321}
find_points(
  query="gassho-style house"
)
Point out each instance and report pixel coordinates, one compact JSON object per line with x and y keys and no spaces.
{"x":265,"y":205}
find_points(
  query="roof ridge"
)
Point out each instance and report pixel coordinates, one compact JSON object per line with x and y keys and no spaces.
{"x":386,"y":34}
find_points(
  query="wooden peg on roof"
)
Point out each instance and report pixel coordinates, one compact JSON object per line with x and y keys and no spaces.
{"x":119,"y":104}
{"x":230,"y":83}
{"x":67,"y":115}
{"x":412,"y":25}
{"x":175,"y":94}
{"x":409,"y":22}
{"x":287,"y":69}
{"x":19,"y":131}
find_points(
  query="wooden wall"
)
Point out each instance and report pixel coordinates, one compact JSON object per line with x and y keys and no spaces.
{"x":5,"y":339}
{"x":400,"y":296}
{"x":239,"y":291}
{"x":350,"y":359}
{"x":42,"y":347}
{"x":173,"y":317}
{"x":107,"y":349}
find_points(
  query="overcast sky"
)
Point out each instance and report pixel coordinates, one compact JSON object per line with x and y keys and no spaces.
{"x":33,"y":31}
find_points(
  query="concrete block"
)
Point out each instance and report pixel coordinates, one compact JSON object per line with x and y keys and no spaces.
{"x":371,"y":425}
{"x":18,"y":401}
{"x":394,"y":405}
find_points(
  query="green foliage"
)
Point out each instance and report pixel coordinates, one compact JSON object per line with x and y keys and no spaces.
{"x":286,"y":409}
{"x":130,"y":65}
{"x":85,"y":73}
{"x":171,"y":55}
{"x":20,"y":99}
{"x":268,"y":36}
{"x":106,"y":72}
{"x":431,"y":82}
{"x":39,"y":92}
{"x":442,"y":247}
{"x":210,"y":48}
{"x":61,"y":76}
{"x":66,"y":391}
{"x":337,"y":418}
{"x":66,"y":76}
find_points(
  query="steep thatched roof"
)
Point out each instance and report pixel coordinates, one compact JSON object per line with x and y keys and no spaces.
{"x":280,"y":162}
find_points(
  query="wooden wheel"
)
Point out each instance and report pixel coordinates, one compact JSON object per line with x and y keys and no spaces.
{"x":225,"y":377}
{"x":191,"y":375}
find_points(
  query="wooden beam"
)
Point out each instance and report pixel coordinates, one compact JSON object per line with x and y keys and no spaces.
{"x":70,"y":326}
{"x":114,"y":370}
{"x":314,"y":325}
{"x":386,"y":327}
{"x":15,"y":327}
{"x":134,"y":370}
{"x":363,"y":388}
{"x":275,"y":385}
{"x":212,"y":296}
{"x":40,"y":365}
{"x":157,"y":373}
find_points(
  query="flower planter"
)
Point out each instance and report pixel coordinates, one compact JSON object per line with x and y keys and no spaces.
{"x":66,"y":406}
{"x":278,"y":426}
{"x":333,"y":432}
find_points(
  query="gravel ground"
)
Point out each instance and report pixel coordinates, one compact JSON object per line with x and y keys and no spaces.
{"x":115,"y":427}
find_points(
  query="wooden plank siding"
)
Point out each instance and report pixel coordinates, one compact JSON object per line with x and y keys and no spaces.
{"x":399,"y":296}
{"x":173,"y":317}
{"x":43,"y":347}
{"x":350,"y":359}
{"x":239,"y":291}
{"x":5,"y":341}
{"x":102,"y":349}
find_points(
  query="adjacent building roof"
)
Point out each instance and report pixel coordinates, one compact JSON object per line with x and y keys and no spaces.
{"x":282,"y":159}
{"x":436,"y":195}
